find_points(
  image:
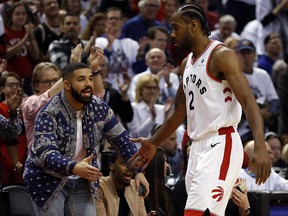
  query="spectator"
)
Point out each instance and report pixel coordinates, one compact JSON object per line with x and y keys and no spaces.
{"x":239,"y":205}
{"x":120,"y":50}
{"x":273,"y":183}
{"x":74,"y":7}
{"x":50,"y":29}
{"x":96,"y":25}
{"x":174,"y":155}
{"x":13,"y":151}
{"x":60,"y":50}
{"x":146,"y":112}
{"x":275,"y":144}
{"x":20,"y":47}
{"x":118,"y":194}
{"x":70,"y":173}
{"x":47,"y":83}
{"x":273,"y":51}
{"x":179,"y":191}
{"x":262,"y":88}
{"x":136,"y":28}
{"x":170,"y":6}
{"x":212,"y":17}
{"x":273,"y":16}
{"x":160,"y":197}
{"x":157,"y":65}
{"x":12,"y":127}
{"x":157,"y":37}
{"x":227,"y":26}
{"x":231,"y":42}
{"x":282,"y":89}
{"x":118,"y":100}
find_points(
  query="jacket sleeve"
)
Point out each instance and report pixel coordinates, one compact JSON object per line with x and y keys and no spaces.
{"x":46,"y":149}
{"x":11,"y":127}
{"x":100,"y":205}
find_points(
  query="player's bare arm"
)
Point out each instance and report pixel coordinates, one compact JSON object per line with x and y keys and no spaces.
{"x":225,"y":62}
{"x":149,"y":146}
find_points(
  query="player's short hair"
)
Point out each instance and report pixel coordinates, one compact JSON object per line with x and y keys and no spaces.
{"x":194,"y":11}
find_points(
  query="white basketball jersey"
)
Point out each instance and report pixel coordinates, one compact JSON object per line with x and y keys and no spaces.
{"x":210,"y":103}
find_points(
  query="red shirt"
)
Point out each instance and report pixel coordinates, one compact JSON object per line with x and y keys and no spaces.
{"x":22,"y":63}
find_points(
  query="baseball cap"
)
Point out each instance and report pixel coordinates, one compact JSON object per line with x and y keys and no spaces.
{"x":245,"y":44}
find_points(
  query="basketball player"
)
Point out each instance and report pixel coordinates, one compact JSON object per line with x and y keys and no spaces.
{"x":210,"y":94}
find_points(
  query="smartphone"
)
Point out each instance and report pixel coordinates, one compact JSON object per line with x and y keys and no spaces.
{"x":142,"y":190}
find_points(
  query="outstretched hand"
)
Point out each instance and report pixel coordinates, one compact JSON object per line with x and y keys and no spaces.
{"x":145,"y":154}
{"x":260,"y":164}
{"x":87,"y":171}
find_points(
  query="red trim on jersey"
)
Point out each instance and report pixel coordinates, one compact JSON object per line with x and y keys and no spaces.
{"x":195,"y":213}
{"x":227,"y":89}
{"x":228,"y":99}
{"x":193,"y":61}
{"x":227,"y":152}
{"x":207,"y":64}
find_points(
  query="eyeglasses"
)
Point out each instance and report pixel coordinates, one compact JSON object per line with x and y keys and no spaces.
{"x":155,"y":88}
{"x":12,"y":85}
{"x":47,"y":83}
{"x":149,"y":5}
{"x":113,"y":18}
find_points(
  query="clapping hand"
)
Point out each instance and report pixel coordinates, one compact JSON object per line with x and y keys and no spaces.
{"x":76,"y":54}
{"x":96,"y":58}
{"x":15,"y":101}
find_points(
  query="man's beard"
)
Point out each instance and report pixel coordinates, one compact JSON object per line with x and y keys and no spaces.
{"x":77,"y":96}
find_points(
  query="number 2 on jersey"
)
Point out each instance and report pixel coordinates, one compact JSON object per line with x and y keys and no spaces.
{"x":191,"y":94}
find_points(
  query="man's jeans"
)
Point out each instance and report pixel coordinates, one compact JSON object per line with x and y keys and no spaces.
{"x":75,"y":199}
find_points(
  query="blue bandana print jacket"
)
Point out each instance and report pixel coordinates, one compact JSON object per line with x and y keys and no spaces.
{"x":50,"y":161}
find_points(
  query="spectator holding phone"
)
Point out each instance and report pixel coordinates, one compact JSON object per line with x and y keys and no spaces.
{"x":239,"y":202}
{"x":159,"y":200}
{"x":118,"y":194}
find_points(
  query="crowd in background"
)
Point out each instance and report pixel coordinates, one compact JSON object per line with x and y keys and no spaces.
{"x":139,"y":72}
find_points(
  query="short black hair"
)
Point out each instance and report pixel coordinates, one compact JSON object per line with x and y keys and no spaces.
{"x":70,"y":68}
{"x":191,"y":11}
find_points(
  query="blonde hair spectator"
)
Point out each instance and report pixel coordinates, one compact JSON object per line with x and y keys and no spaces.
{"x":142,"y":83}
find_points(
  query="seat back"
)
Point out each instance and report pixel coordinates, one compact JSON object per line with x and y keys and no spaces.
{"x":20,"y":201}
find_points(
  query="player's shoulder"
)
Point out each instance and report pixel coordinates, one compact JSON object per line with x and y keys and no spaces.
{"x":223,"y":55}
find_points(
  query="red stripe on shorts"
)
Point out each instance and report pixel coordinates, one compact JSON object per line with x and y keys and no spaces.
{"x":227,"y":152}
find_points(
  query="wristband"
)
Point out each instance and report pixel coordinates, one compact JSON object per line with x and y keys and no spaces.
{"x":96,"y":73}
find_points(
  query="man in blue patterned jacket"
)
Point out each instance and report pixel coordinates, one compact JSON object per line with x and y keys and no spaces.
{"x":61,"y":171}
